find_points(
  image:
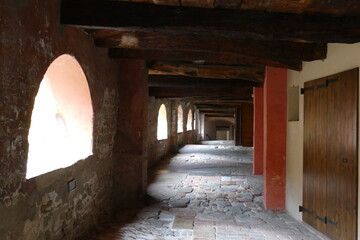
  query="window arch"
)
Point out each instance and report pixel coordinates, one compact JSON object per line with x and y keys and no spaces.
{"x":61,"y":126}
{"x":189,"y":124}
{"x":180,"y":127}
{"x":162,"y":124}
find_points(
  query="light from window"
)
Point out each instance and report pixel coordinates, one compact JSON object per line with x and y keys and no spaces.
{"x":61,"y":126}
{"x":189,"y":124}
{"x":180,"y":127}
{"x":162,"y":127}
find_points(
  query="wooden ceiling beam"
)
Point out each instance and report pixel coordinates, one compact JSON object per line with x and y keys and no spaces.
{"x":246,"y":24}
{"x":220,"y":102}
{"x":214,"y":107}
{"x":250,"y":73}
{"x":157,"y":92}
{"x":273,"y":50}
{"x":220,"y":115}
{"x":298,"y":7}
{"x":206,"y":57}
{"x":290,"y":6}
{"x":217,"y":109}
{"x":212,"y":111}
{"x":196,"y":82}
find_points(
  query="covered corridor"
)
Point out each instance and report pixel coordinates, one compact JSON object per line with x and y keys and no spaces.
{"x":124,"y":83}
{"x":207,"y":192}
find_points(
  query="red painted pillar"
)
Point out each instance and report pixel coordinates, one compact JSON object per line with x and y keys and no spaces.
{"x":275,"y":109}
{"x":258,"y":166}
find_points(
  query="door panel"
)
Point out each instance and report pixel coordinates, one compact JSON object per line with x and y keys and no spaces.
{"x":330,"y":154}
{"x":314,"y":155}
{"x":342,"y":155}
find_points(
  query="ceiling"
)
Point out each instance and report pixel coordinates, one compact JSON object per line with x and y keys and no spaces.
{"x":213,"y":52}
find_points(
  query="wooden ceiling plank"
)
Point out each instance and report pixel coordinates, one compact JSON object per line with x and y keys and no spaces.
{"x":250,"y":73}
{"x":140,"y":1}
{"x":247,"y":24}
{"x":195,"y":82}
{"x":214,"y":107}
{"x":219,"y":115}
{"x":301,"y":7}
{"x":198,"y":3}
{"x":287,"y":6}
{"x":167,"y":2}
{"x":222,"y":109}
{"x":220,"y":112}
{"x":158,"y":92}
{"x":228,"y":4}
{"x":210,"y":58}
{"x":303,"y":51}
{"x":219,"y":102}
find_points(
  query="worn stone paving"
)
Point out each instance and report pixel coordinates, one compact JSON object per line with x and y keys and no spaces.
{"x":207,"y":192}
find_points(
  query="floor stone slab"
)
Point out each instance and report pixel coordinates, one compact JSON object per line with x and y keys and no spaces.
{"x":207,"y":192}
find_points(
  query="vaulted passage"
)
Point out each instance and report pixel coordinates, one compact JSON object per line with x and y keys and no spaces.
{"x":208,"y":192}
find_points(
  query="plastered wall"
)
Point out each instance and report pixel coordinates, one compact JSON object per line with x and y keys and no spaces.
{"x":341,"y":57}
{"x":211,"y":123}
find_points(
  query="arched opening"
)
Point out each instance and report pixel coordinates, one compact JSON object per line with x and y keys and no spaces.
{"x":162,"y":125}
{"x":217,"y":128}
{"x":61,"y":126}
{"x":189,"y":124}
{"x":180,"y":127}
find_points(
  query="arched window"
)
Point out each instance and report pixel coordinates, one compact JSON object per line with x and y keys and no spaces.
{"x":180,"y":127}
{"x":189,"y":124}
{"x":162,"y":125}
{"x":61,"y":126}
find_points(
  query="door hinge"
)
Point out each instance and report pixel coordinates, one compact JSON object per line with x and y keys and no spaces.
{"x":331,"y":80}
{"x":324,"y":220}
{"x":313,"y":214}
{"x":302,"y":209}
{"x":328,"y":220}
{"x":324,"y":85}
{"x":303,"y":90}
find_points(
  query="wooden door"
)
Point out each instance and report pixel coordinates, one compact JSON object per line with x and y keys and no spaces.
{"x":330,"y":154}
{"x":247,"y":127}
{"x":342,"y":162}
{"x":244,"y":130}
{"x":314,"y":196}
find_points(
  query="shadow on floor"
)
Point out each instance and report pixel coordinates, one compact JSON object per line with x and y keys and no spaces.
{"x":204,"y":192}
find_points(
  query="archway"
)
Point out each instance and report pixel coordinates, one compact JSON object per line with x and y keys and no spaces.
{"x":162,"y":124}
{"x":189,"y":124}
{"x":180,"y":126}
{"x":62,"y":119}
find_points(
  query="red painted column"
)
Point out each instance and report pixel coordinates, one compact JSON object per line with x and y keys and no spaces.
{"x":275,"y":109}
{"x":258,"y":166}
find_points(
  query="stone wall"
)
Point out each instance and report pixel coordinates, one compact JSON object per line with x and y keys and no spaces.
{"x":42,"y":207}
{"x":115,"y":174}
{"x":158,"y":149}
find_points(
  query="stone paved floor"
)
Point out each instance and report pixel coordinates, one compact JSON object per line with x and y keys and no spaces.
{"x":207,"y":192}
